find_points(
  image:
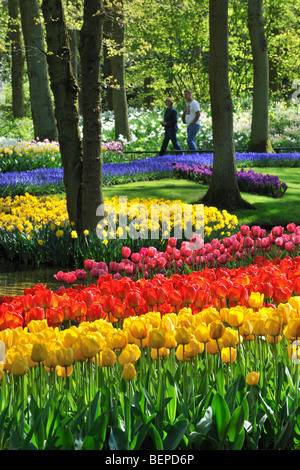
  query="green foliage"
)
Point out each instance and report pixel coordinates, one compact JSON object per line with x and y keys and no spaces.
{"x":95,"y":409}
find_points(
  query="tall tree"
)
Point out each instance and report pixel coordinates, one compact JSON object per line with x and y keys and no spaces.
{"x":17,"y":59}
{"x":40,"y":93}
{"x":259,"y":137}
{"x":65,"y":92}
{"x":82,"y":159}
{"x":223,"y":191}
{"x":116,"y":23}
{"x":90,"y":53}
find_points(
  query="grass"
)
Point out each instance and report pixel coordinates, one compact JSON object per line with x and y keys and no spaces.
{"x":269,"y":212}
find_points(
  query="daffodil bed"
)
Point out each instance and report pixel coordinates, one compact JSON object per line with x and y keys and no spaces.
{"x":37,"y":230}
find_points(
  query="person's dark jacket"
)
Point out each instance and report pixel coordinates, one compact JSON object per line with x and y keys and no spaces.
{"x":170,"y":118}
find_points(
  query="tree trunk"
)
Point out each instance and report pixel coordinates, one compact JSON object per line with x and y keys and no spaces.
{"x":73,"y":41}
{"x":118,"y":73}
{"x":107,"y":72}
{"x":259,"y":138}
{"x":40,"y":94}
{"x":17,"y":59}
{"x":65,"y":93}
{"x":223,"y":191}
{"x":90,"y":53}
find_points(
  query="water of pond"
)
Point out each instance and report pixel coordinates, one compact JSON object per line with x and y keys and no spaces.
{"x":13,"y":281}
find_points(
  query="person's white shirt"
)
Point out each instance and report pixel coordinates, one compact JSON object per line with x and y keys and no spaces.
{"x":192,"y":107}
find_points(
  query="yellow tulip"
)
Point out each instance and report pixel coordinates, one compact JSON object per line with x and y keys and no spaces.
{"x":170,"y":341}
{"x":273,"y":339}
{"x":228,"y":354}
{"x":39,"y":352}
{"x":216,"y":329}
{"x":252,"y":378}
{"x":19,"y":365}
{"x":201,"y":333}
{"x":182,"y":335}
{"x":138,"y":329}
{"x":108,"y":357}
{"x":51,"y":360}
{"x":235,"y":316}
{"x":90,"y":347}
{"x":292,"y":329}
{"x":63,"y":371}
{"x":163,"y":352}
{"x":157,"y":338}
{"x":65,"y":357}
{"x":193,"y":348}
{"x":116,"y":340}
{"x":180,"y":353}
{"x":230,"y":338}
{"x":126,"y":356}
{"x":256,"y":300}
{"x":273,"y":326}
{"x":129,"y":372}
{"x":246,"y":328}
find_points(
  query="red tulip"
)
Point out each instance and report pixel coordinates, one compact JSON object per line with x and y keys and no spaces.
{"x":126,"y":252}
{"x":255,"y":231}
{"x":36,"y":313}
{"x":133,"y":299}
{"x":94,"y":312}
{"x":281,"y":294}
{"x":188,"y":293}
{"x":245,"y":230}
{"x":277,"y":231}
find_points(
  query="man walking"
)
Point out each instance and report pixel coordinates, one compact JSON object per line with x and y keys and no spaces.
{"x":192,"y":119}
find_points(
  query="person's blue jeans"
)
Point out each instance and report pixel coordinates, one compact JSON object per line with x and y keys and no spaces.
{"x":170,"y":135}
{"x":192,"y":131}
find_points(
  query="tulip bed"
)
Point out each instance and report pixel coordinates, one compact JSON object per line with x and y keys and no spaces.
{"x":151,"y":345}
{"x":206,"y":359}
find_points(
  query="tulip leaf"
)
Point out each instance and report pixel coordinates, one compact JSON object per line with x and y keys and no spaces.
{"x":95,"y":438}
{"x":175,"y":434}
{"x":117,"y":439}
{"x":65,"y":439}
{"x":221,"y":415}
{"x":156,"y":439}
{"x":205,"y":424}
{"x":239,"y":440}
{"x":236,"y":423}
{"x":171,"y":392}
{"x":140,"y":436}
{"x":231,"y":394}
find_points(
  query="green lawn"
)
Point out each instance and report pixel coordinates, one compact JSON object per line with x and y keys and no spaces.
{"x":269,"y":211}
